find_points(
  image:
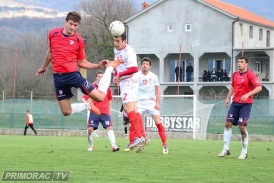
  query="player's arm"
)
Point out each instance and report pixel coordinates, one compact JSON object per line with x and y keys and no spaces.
{"x":46,"y":63}
{"x":230,"y":93}
{"x":158,"y":97}
{"x":257,"y":89}
{"x":83,"y":63}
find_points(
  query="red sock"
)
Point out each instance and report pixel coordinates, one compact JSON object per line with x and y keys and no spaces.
{"x":141,"y":125}
{"x":134,"y":126}
{"x":162,"y":133}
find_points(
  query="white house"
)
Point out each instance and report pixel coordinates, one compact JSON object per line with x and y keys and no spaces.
{"x":206,"y":33}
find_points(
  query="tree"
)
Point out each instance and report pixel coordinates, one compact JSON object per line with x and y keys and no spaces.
{"x":98,"y":14}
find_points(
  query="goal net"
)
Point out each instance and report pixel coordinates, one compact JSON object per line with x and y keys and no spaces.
{"x":178,"y":114}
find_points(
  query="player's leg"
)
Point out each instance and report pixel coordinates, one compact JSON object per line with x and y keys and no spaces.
{"x":90,"y":138}
{"x":125,"y":122}
{"x":129,"y":90}
{"x":231,"y":119}
{"x":141,"y":125}
{"x":142,"y":108}
{"x":161,"y":132}
{"x":129,"y":108}
{"x":25,"y":131}
{"x":92,"y":124}
{"x":63,"y":84}
{"x":244,"y":114}
{"x":99,"y":95}
{"x":32,"y":127}
{"x":106,"y":123}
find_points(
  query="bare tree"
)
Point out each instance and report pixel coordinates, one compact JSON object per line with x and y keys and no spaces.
{"x":98,"y":14}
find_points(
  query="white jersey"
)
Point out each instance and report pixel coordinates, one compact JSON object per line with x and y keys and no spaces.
{"x":147,"y":84}
{"x":128,"y":55}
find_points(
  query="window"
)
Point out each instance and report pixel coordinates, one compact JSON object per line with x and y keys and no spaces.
{"x":268,"y":38}
{"x":261,"y":35}
{"x":187,"y":27}
{"x":241,"y":29}
{"x":251,"y":32}
{"x":170,"y":28}
{"x":258,"y":67}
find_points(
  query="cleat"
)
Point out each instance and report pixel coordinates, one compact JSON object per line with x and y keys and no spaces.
{"x":224,"y":153}
{"x":115,"y":63}
{"x":147,"y":141}
{"x":141,"y":146}
{"x":165,"y":150}
{"x":136,"y":142}
{"x":243,"y":156}
{"x":115,"y":148}
{"x":95,"y":110}
{"x":128,"y":149}
{"x":90,"y":148}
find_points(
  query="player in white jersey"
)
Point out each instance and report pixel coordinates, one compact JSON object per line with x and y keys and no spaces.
{"x":149,"y":97}
{"x":125,"y":76}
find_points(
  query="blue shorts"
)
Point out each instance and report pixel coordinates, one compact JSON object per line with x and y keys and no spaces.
{"x":64,"y":82}
{"x":94,"y":120}
{"x":238,"y":113}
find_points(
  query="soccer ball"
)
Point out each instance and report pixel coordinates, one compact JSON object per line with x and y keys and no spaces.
{"x":116,"y":28}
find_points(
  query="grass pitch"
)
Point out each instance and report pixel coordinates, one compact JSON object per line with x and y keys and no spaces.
{"x":187,"y":161}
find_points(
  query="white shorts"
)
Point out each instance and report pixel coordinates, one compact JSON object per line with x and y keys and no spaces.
{"x":147,"y":106}
{"x":129,"y":89}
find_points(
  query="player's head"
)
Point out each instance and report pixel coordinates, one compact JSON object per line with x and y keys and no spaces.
{"x":99,"y":75}
{"x":27,"y":111}
{"x":242,"y":63}
{"x":145,"y":64}
{"x":73,"y":19}
{"x":120,"y":41}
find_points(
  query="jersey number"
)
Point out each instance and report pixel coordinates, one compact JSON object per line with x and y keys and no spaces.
{"x":144,"y":82}
{"x":125,"y":96}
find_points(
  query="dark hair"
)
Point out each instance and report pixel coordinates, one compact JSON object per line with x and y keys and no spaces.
{"x":27,"y":110}
{"x":123,"y":36}
{"x":146,"y":59}
{"x":243,"y":58}
{"x":99,"y":72}
{"x":74,"y":16}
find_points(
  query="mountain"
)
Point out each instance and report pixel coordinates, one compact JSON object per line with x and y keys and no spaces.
{"x":60,"y":5}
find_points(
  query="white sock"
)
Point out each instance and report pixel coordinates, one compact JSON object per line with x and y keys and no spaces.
{"x":78,"y":107}
{"x":111,"y":137}
{"x":244,"y":144}
{"x":90,"y":138}
{"x":105,"y":80}
{"x":227,"y":137}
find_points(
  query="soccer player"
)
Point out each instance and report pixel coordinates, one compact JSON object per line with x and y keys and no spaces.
{"x":125,"y":75}
{"x":103,"y":118}
{"x":29,"y":123}
{"x":244,"y":84}
{"x":65,"y":53}
{"x":149,"y":97}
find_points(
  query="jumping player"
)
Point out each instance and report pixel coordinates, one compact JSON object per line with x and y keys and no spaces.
{"x":125,"y":76}
{"x":103,"y":118}
{"x":244,"y":84}
{"x":149,"y":97}
{"x":65,"y":53}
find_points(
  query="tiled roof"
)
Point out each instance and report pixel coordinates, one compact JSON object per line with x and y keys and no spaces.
{"x":239,"y":12}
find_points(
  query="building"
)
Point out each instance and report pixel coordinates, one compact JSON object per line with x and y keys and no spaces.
{"x":208,"y":34}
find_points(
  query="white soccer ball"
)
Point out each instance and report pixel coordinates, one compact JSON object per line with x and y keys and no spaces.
{"x":116,"y":28}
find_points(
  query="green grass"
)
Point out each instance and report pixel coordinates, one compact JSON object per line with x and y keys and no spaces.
{"x":187,"y":161}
